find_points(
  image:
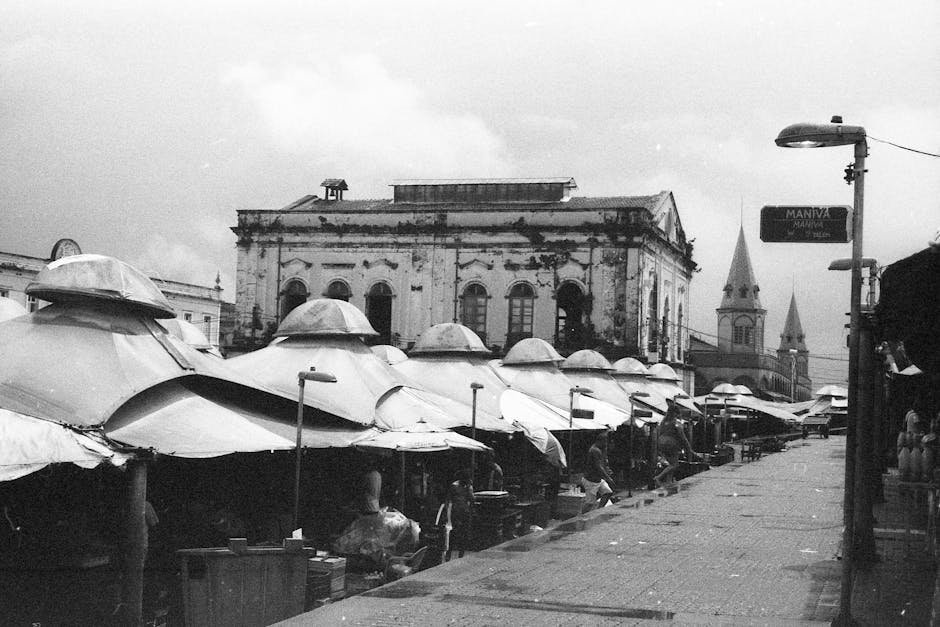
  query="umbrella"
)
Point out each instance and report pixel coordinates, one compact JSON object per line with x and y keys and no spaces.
{"x":420,"y":437}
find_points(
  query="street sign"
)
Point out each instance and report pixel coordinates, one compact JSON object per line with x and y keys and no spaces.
{"x":824,"y":224}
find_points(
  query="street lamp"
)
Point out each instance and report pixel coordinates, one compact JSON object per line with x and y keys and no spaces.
{"x":825,"y":135}
{"x":874,"y":270}
{"x":474,"y":387}
{"x":302,"y":377}
{"x":575,"y":390}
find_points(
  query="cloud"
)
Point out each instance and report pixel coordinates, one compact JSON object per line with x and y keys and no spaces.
{"x":356,"y":114}
{"x":176,"y":261}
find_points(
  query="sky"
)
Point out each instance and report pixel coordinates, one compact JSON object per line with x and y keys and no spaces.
{"x":138,"y":129}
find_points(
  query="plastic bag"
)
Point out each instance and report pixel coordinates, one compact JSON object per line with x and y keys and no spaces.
{"x":379,"y":536}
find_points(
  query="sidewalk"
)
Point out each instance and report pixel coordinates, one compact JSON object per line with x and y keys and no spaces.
{"x":741,"y":544}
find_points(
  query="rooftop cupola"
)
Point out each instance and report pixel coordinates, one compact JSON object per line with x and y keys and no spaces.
{"x":334,"y":188}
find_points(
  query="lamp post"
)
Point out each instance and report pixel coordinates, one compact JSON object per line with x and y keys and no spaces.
{"x":302,"y":377}
{"x":474,"y":387}
{"x":825,"y":135}
{"x":571,"y":392}
{"x":633,"y":398}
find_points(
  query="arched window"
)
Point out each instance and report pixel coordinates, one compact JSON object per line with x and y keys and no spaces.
{"x":473,"y":309}
{"x":569,"y":329}
{"x":293,"y":294}
{"x":743,"y":332}
{"x":338,"y":290}
{"x":679,"y":338}
{"x":521,"y":309}
{"x":379,"y":311}
{"x":653,"y":321}
{"x":666,"y":331}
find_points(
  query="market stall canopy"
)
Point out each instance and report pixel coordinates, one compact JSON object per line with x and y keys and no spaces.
{"x":540,"y":437}
{"x":590,"y":369}
{"x":28,"y":444}
{"x":389,"y":354}
{"x":361,"y":377}
{"x":743,"y":390}
{"x":725,"y":389}
{"x":449,"y":337}
{"x":401,"y":407}
{"x":544,"y":381}
{"x":325,"y":317}
{"x":100,"y":278}
{"x":532,"y":350}
{"x":748,"y":402}
{"x":630,"y":374}
{"x":664,"y":380}
{"x":9,"y":308}
{"x":832,"y":390}
{"x":630,"y":366}
{"x":77,"y":361}
{"x":173,"y":420}
{"x":190,"y":334}
{"x":419,"y":438}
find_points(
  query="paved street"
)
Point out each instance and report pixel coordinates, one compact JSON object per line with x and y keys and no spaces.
{"x":751,"y":543}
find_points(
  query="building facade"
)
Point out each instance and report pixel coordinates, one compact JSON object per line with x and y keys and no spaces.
{"x":198,"y":304}
{"x":509,"y":258}
{"x":739,"y":356}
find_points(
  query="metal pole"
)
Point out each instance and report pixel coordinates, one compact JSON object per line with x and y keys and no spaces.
{"x":473,"y":431}
{"x":300,"y":423}
{"x":864,"y":520}
{"x":848,"y":500}
{"x":630,"y":448}
{"x":135,"y":542}
{"x":570,"y":433}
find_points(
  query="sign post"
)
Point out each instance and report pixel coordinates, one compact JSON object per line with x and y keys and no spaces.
{"x":824,"y":224}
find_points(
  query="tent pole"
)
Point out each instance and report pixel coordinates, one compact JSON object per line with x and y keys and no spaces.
{"x":135,"y":542}
{"x":403,"y":482}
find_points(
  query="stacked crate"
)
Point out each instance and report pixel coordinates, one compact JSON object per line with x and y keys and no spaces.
{"x":326,"y":580}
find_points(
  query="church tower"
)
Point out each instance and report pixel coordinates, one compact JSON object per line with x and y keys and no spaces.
{"x":741,"y":317}
{"x":793,"y":338}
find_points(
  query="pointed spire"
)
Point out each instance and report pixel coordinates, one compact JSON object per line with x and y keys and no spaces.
{"x":741,"y":290}
{"x":792,"y":336}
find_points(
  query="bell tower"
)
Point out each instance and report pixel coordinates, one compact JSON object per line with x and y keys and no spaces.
{"x":741,"y":316}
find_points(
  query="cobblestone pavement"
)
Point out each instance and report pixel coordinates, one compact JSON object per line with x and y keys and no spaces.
{"x":741,"y":544}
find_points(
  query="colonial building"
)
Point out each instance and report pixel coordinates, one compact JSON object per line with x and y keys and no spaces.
{"x":509,"y":258}
{"x":739,"y":357}
{"x":199,"y":304}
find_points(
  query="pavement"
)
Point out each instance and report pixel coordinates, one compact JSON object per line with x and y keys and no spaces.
{"x":753,"y":543}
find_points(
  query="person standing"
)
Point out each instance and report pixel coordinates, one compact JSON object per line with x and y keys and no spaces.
{"x":459,"y":514}
{"x":372,"y":491}
{"x":671,"y":441}
{"x":597,"y":480}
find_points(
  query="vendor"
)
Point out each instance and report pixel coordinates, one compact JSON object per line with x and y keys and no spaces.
{"x":371,"y":490}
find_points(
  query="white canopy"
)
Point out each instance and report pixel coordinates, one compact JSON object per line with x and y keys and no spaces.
{"x":28,"y":444}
